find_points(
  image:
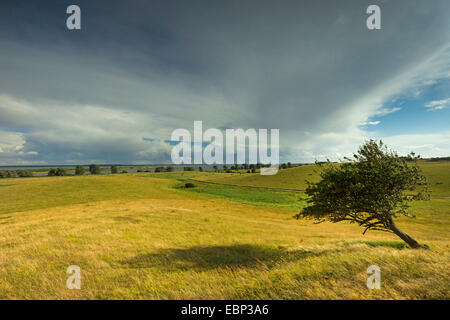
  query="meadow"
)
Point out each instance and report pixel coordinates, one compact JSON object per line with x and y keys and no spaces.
{"x":146,"y":236}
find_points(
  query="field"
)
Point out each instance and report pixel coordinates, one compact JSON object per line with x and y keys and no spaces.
{"x":145,"y":236}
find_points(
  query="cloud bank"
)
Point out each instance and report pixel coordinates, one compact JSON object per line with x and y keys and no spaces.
{"x":143,"y":69}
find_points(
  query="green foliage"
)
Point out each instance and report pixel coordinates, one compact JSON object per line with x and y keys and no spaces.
{"x":94,"y":169}
{"x":79,"y":170}
{"x":114,"y":169}
{"x":57,"y":172}
{"x":15,"y":173}
{"x":8,"y":174}
{"x":169,"y":169}
{"x":24,"y":173}
{"x":371,"y":189}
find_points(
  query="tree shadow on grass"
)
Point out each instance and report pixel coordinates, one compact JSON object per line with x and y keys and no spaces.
{"x":211,"y":257}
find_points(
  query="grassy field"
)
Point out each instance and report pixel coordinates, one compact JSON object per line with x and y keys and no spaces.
{"x":438,"y":175}
{"x":293,"y":178}
{"x":145,"y":236}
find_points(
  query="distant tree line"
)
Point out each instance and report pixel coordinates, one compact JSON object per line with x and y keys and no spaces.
{"x":439,"y":159}
{"x":79,"y":170}
{"x":164,"y":169}
{"x":96,"y":169}
{"x":16,"y":173}
{"x":57,"y":172}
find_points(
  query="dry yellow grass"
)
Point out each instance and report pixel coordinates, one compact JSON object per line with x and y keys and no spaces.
{"x":135,"y":237}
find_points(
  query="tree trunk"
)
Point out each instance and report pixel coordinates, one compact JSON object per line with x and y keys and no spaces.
{"x":405,"y":237}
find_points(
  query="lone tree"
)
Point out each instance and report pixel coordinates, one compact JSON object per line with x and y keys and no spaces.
{"x":371,"y":190}
{"x":57,"y":172}
{"x":79,"y":170}
{"x":94,"y":169}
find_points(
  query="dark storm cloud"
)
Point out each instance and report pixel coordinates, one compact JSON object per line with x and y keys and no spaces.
{"x":144,"y":68}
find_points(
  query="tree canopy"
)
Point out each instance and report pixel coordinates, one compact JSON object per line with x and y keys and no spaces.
{"x":371,"y":190}
{"x":94,"y":169}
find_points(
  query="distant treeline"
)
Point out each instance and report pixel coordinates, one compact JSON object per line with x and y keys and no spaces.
{"x":79,"y":170}
{"x":15,"y":173}
{"x":428,"y":159}
{"x":95,"y":169}
{"x":439,"y":159}
{"x":251,"y":168}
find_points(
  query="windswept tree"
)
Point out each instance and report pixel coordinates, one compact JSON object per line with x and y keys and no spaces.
{"x":371,"y":190}
{"x":114,"y":169}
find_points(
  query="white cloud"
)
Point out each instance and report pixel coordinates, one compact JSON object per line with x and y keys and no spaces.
{"x":385,"y":111}
{"x":427,"y":145}
{"x":77,"y":133}
{"x":11,"y":145}
{"x":372,"y":123}
{"x":437,"y":104}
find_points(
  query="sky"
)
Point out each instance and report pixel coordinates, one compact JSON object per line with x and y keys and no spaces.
{"x":114,"y":91}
